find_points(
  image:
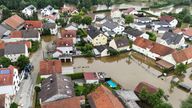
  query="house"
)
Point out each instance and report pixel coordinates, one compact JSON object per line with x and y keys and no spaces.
{"x":4,"y":32}
{"x":161,"y":26}
{"x":101,"y":51}
{"x":73,"y":102}
{"x":102,"y":97}
{"x":29,"y":10}
{"x":56,"y":87}
{"x":116,"y":16}
{"x":5,"y":101}
{"x":29,"y":24}
{"x":112,"y":28}
{"x":96,"y":37}
{"x":69,"y":9}
{"x":146,"y":86}
{"x":120,"y":44}
{"x":69,"y":34}
{"x":49,"y":67}
{"x":133,"y":33}
{"x":14,"y":23}
{"x":99,"y":19}
{"x":71,"y":26}
{"x":14,"y":51}
{"x":27,"y":43}
{"x":186,"y":32}
{"x":52,"y":27}
{"x":151,"y":49}
{"x":130,"y":11}
{"x":23,"y":35}
{"x":172,"y":40}
{"x":49,"y":10}
{"x":90,"y":78}
{"x":141,"y":23}
{"x":9,"y":81}
{"x":171,"y":20}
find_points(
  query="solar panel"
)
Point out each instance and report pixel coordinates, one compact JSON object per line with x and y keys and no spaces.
{"x":4,"y":71}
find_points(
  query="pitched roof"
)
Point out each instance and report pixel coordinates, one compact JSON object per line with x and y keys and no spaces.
{"x":27,"y":43}
{"x":121,"y":42}
{"x":56,"y":84}
{"x":2,"y":100}
{"x":73,"y":102}
{"x":14,"y":21}
{"x":6,"y":76}
{"x":128,"y":10}
{"x":93,"y":32}
{"x":182,"y":55}
{"x":144,"y":19}
{"x":49,"y":25}
{"x":172,"y":38}
{"x":166,"y":18}
{"x":90,"y":76}
{"x":16,"y":34}
{"x":14,"y":48}
{"x":101,"y":48}
{"x":102,"y":97}
{"x":187,"y":31}
{"x":143,"y":43}
{"x":30,"y":33}
{"x":148,"y":87}
{"x":110,"y":24}
{"x":2,"y":30}
{"x":132,"y":31}
{"x":33,"y":24}
{"x":50,"y":67}
{"x":68,"y":8}
{"x":64,"y":42}
{"x":68,"y":33}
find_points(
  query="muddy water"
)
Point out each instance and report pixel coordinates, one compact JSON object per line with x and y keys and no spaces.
{"x":128,"y":74}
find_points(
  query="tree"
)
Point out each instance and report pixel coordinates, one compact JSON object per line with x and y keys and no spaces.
{"x":22,"y":61}
{"x":46,"y":31}
{"x":76,"y":19}
{"x":14,"y":105}
{"x":152,"y":36}
{"x":6,"y":13}
{"x":129,"y":19}
{"x":187,"y":19}
{"x":82,"y":33}
{"x":187,"y":103}
{"x":113,"y":52}
{"x":86,"y":20}
{"x":5,"y":62}
{"x":180,"y":69}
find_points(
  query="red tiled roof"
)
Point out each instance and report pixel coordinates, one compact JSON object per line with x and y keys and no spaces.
{"x":2,"y":44}
{"x":14,"y":21}
{"x":161,"y":50}
{"x":64,"y":42}
{"x":166,"y":18}
{"x":68,"y":8}
{"x":128,"y":10}
{"x":6,"y":79}
{"x":68,"y":33}
{"x":16,"y":34}
{"x":148,"y":87}
{"x":2,"y":100}
{"x":27,"y":43}
{"x":90,"y":76}
{"x":73,"y":102}
{"x":143,"y":43}
{"x":102,"y":97}
{"x":187,"y":31}
{"x":50,"y":67}
{"x":182,"y":55}
{"x":33,"y":24}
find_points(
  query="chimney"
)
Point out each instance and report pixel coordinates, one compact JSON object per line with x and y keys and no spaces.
{"x":51,"y":80}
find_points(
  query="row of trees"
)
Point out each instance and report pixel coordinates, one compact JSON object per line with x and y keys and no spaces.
{"x":79,"y":19}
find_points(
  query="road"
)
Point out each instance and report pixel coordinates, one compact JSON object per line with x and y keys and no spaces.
{"x":24,"y":97}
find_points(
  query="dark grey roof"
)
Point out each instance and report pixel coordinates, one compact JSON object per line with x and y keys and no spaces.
{"x":31,"y":33}
{"x":14,"y":48}
{"x":172,"y":38}
{"x":49,"y":25}
{"x":144,"y":19}
{"x":101,"y":48}
{"x":93,"y":32}
{"x":1,"y":52}
{"x":164,"y":28}
{"x":161,"y":23}
{"x":121,"y":42}
{"x":2,"y":30}
{"x":110,"y":24}
{"x":56,"y":84}
{"x":133,"y":32}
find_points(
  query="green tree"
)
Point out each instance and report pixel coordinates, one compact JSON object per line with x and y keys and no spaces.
{"x":187,"y":103}
{"x":6,"y":13}
{"x":180,"y":69}
{"x":22,"y":61}
{"x":46,"y":31}
{"x":152,"y":36}
{"x":14,"y":105}
{"x":113,"y":52}
{"x":76,"y":19}
{"x":129,"y":19}
{"x":5,"y":61}
{"x":82,"y":33}
{"x":86,"y":20}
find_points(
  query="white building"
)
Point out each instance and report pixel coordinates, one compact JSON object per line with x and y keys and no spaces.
{"x":52,"y":27}
{"x":9,"y":80}
{"x":49,"y":10}
{"x":29,"y":10}
{"x":101,"y":51}
{"x":90,"y":78}
{"x":120,"y":44}
{"x":171,"y":20}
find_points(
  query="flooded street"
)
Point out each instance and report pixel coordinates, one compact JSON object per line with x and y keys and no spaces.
{"x":128,"y":74}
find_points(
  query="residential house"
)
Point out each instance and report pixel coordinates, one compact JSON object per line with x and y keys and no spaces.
{"x":14,"y":51}
{"x":120,"y":44}
{"x":49,"y":10}
{"x":56,"y":87}
{"x":73,"y":102}
{"x":161,"y":26}
{"x":14,"y":23}
{"x":9,"y":80}
{"x":71,"y":26}
{"x":29,"y":10}
{"x":133,"y":33}
{"x":172,"y":40}
{"x":5,"y":101}
{"x":151,"y":49}
{"x":171,"y":20}
{"x":99,"y":19}
{"x":90,"y":78}
{"x":52,"y":27}
{"x":116,"y":16}
{"x":69,"y":34}
{"x":4,"y":32}
{"x":69,"y":9}
{"x":101,"y":51}
{"x":49,"y":67}
{"x":130,"y":11}
{"x":186,"y":32}
{"x":111,"y":28}
{"x":102,"y":97}
{"x":148,"y":87}
{"x":96,"y":37}
{"x":141,"y":23}
{"x":37,"y":25}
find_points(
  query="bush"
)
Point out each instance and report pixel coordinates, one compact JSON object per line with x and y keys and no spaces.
{"x":76,"y":76}
{"x":14,"y":105}
{"x":35,"y":46}
{"x":152,"y":36}
{"x":46,"y":32}
{"x":113,"y":52}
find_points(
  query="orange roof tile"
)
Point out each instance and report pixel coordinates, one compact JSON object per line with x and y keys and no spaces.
{"x":166,"y":18}
{"x":6,"y":78}
{"x":143,"y":43}
{"x":68,"y":33}
{"x":14,"y":21}
{"x":16,"y":34}
{"x":182,"y":55}
{"x":148,"y":87}
{"x":161,"y":50}
{"x":64,"y":42}
{"x":33,"y":24}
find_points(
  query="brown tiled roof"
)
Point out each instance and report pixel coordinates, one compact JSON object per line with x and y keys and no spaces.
{"x":182,"y":55}
{"x":161,"y":50}
{"x":90,"y":76}
{"x":50,"y":67}
{"x":28,"y":43}
{"x":64,"y":42}
{"x":33,"y":24}
{"x":7,"y":77}
{"x":143,"y":43}
{"x":187,"y":31}
{"x":14,"y":21}
{"x":2,"y":44}
{"x":68,"y":8}
{"x":102,"y":97}
{"x":16,"y":34}
{"x":73,"y":102}
{"x":166,"y":18}
{"x":148,"y":87}
{"x":68,"y":33}
{"x":2,"y":100}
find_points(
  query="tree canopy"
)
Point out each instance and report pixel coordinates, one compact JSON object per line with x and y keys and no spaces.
{"x":22,"y":61}
{"x":129,"y":19}
{"x":180,"y":69}
{"x":5,"y":62}
{"x":187,"y":103}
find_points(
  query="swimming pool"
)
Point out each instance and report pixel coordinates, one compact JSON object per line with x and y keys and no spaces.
{"x":112,"y":84}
